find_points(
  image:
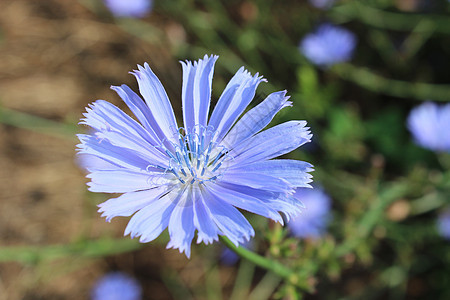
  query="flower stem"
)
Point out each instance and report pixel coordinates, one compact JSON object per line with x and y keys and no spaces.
{"x":397,"y":88}
{"x":277,"y":268}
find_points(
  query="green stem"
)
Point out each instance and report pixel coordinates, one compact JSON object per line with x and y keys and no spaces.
{"x":268,"y":264}
{"x":356,"y":10}
{"x":37,"y":124}
{"x":397,"y":88}
{"x":89,"y":248}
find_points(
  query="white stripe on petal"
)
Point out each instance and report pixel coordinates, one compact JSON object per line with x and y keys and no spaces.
{"x":181,"y":224}
{"x":156,"y":98}
{"x":196,"y":92}
{"x":272,"y":142}
{"x":256,"y":119}
{"x":129,"y":203}
{"x":238,"y":93}
{"x":124,"y":181}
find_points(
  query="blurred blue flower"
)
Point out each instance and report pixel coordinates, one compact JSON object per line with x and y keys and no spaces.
{"x":429,"y":123}
{"x":193,"y":178}
{"x":129,"y":8}
{"x":116,"y":286}
{"x":321,"y":3}
{"x":328,"y":45}
{"x":312,"y":221}
{"x":443,"y":224}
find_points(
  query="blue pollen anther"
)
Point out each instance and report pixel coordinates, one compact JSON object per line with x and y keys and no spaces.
{"x":178,"y":157}
{"x":178,"y":176}
{"x":203,"y":170}
{"x":191,"y":153}
{"x":170,"y":154}
{"x":217,"y":158}
{"x":218,"y":166}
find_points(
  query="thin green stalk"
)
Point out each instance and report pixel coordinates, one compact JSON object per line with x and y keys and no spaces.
{"x":397,"y":88}
{"x":37,"y":124}
{"x":268,"y":264}
{"x":265,"y":287}
{"x":90,"y":248}
{"x":243,"y":280}
{"x":213,"y":284}
{"x":356,"y":10}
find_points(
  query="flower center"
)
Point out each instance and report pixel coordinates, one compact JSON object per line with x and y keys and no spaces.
{"x":197,"y":157}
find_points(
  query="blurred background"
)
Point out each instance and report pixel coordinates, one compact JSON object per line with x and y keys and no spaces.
{"x":354,"y":69}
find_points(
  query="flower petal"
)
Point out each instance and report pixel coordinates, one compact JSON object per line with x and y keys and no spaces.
{"x":181,"y":224}
{"x":207,"y":230}
{"x":140,"y":110}
{"x":281,"y":202}
{"x":92,"y":163}
{"x":257,"y":181}
{"x":139,"y":147}
{"x":124,"y":181}
{"x":120,"y":129}
{"x":196,"y":93}
{"x":235,"y":98}
{"x":104,"y":116}
{"x":229,"y":220}
{"x":229,"y":194}
{"x":156,"y":98}
{"x":271,"y":143}
{"x":289,"y":205}
{"x":129,"y":203}
{"x":293,"y":171}
{"x":151,"y":220}
{"x":122,"y":157}
{"x":256,"y":119}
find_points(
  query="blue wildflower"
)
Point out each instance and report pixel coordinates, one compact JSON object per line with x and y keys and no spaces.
{"x":311,"y":223}
{"x":321,"y":3}
{"x":429,"y":123}
{"x":129,"y":8}
{"x":116,"y":286}
{"x":328,"y":45}
{"x":193,"y":178}
{"x":443,"y":224}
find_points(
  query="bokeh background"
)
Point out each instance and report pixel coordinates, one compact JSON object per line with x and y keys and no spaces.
{"x":381,"y":238}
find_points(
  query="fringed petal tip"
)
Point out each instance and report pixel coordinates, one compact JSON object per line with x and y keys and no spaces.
{"x":202,"y":238}
{"x":241,"y":240}
{"x":205,"y":58}
{"x":186,"y":248}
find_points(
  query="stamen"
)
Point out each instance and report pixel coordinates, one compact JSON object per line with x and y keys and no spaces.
{"x":218,"y":166}
{"x":218,"y":156}
{"x":193,"y":152}
{"x":178,"y":176}
{"x":170,"y":154}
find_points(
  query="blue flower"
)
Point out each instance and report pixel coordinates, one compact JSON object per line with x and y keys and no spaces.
{"x":429,"y":123}
{"x":116,"y":286}
{"x":193,"y":178}
{"x":312,"y":222}
{"x":321,"y":3}
{"x":129,"y":8}
{"x":443,"y":224}
{"x":328,"y":45}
